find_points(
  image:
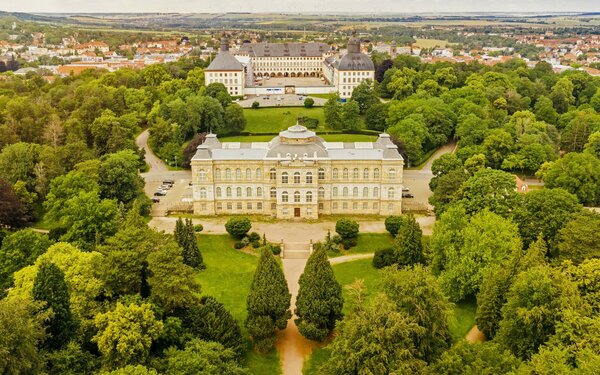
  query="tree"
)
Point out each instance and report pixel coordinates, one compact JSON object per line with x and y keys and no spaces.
{"x":234,"y":118}
{"x":351,"y":116}
{"x":544,"y":110}
{"x":333,"y":112}
{"x":346,"y":228}
{"x":443,"y":165}
{"x":535,"y":304}
{"x":309,"y":102}
{"x":191,"y":148}
{"x":578,"y":173}
{"x":319,"y":302}
{"x":408,"y":247}
{"x":416,"y":293}
{"x":562,"y":95}
{"x":218,"y":91}
{"x":488,"y":188}
{"x":593,"y":144}
{"x":12,"y":210}
{"x":586,"y":276}
{"x":268,"y":303}
{"x":465,"y":358}
{"x":126,"y":333}
{"x":578,"y":130}
{"x":119,"y":178}
{"x":50,"y":288}
{"x":255,"y":104}
{"x":364,"y":95}
{"x":376,"y":116}
{"x":446,"y":188}
{"x":578,"y":239}
{"x":72,"y":359}
{"x":132,"y":370}
{"x":237,"y":227}
{"x":18,"y":250}
{"x":185,"y":235}
{"x":21,"y":332}
{"x":17,"y":163}
{"x":202,"y":357}
{"x":497,"y":146}
{"x":393,"y":224}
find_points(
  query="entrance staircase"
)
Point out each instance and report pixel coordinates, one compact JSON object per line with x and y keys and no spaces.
{"x":296,"y":250}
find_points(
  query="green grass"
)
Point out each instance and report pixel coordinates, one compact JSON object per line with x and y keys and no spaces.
{"x":316,"y":359}
{"x":266,"y":120}
{"x":227,"y":277}
{"x":463,"y":320}
{"x":347,"y":273}
{"x":322,"y":96}
{"x":327,"y":137}
{"x":369,"y":243}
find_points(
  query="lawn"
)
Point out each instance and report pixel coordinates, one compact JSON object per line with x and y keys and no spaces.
{"x":322,"y":96}
{"x":369,"y":243}
{"x":273,"y":120}
{"x":347,"y":273}
{"x":227,"y":277}
{"x":463,"y":320}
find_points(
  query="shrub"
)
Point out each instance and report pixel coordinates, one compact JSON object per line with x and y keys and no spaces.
{"x":255,"y":105}
{"x":254,"y":237}
{"x":276,"y":249}
{"x":309,"y":122}
{"x":393,"y":224}
{"x":255,"y":244}
{"x":346,"y":228}
{"x":349,"y":243}
{"x":238,"y":245}
{"x":384,"y":258}
{"x":198,"y":228}
{"x":237,"y":227}
{"x":245,"y":241}
{"x":309,"y":102}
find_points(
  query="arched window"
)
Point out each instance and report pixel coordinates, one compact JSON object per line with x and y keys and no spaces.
{"x":228,"y":174}
{"x":203,"y":193}
{"x":366,"y":174}
{"x":365,"y":192}
{"x":259,"y":192}
{"x":272,"y":174}
{"x":355,"y":173}
{"x":296,"y":177}
{"x":248,"y":191}
{"x":345,"y":192}
{"x":258,"y":174}
{"x":217,"y":174}
{"x":238,"y":192}
{"x":284,"y":196}
{"x":228,"y":192}
{"x":248,"y":174}
{"x":296,"y":197}
{"x":309,"y":196}
{"x":321,"y":174}
{"x":273,"y":193}
{"x":355,"y":192}
{"x":309,"y":177}
{"x":392,"y":174}
{"x":335,"y":192}
{"x":238,"y":174}
{"x":202,"y":175}
{"x":376,"y":173}
{"x":345,"y":174}
{"x":321,"y":192}
{"x":391,"y":193}
{"x":376,"y":192}
{"x":335,"y":174}
{"x":218,"y":192}
{"x":284,"y":178}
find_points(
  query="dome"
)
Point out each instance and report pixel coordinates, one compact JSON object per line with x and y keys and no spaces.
{"x":354,"y":59}
{"x":297,"y":132}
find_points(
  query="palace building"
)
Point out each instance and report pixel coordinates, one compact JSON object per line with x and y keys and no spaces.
{"x":297,"y":175}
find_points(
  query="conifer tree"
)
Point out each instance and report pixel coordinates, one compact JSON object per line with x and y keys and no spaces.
{"x":191,"y":253}
{"x":179,"y":232}
{"x":408,"y":246}
{"x":319,"y":303}
{"x":268,"y":303}
{"x":50,"y":287}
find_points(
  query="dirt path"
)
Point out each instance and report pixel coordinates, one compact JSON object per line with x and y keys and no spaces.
{"x":475,"y":335}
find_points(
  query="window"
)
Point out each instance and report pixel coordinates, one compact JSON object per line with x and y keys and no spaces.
{"x":335,"y":192}
{"x":228,"y":174}
{"x":229,"y":205}
{"x":202,"y":175}
{"x":238,"y":174}
{"x":284,"y":196}
{"x":366,"y":174}
{"x":321,"y":174}
{"x":229,"y":192}
{"x":248,"y":191}
{"x":273,"y":193}
{"x":217,"y":174}
{"x":309,"y":177}
{"x":334,"y":205}
{"x":248,"y":174}
{"x":365,"y":192}
{"x":355,"y":206}
{"x":238,"y":205}
{"x":219,"y":206}
{"x":203,"y":193}
{"x":355,"y":192}
{"x":335,"y":173}
{"x":238,"y":192}
{"x":272,"y":174}
{"x":345,"y":205}
{"x":297,"y":177}
{"x":375,"y":206}
{"x":218,"y":192}
{"x":258,"y":174}
{"x":249,"y":206}
{"x":376,"y":192}
{"x":355,"y":173}
{"x":284,"y":178}
{"x":273,"y":206}
{"x":321,"y":192}
{"x":391,"y":193}
{"x":284,"y":211}
{"x":309,"y":211}
{"x":392,"y":174}
{"x":296,"y":197}
{"x":376,"y":173}
{"x":309,"y":197}
{"x":345,"y":192}
{"x":259,"y":192}
{"x":345,"y":174}
{"x":259,"y":206}
{"x":321,"y":206}
{"x":365,"y":206}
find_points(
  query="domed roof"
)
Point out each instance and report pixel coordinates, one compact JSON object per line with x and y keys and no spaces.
{"x":354,"y":59}
{"x":297,"y":131}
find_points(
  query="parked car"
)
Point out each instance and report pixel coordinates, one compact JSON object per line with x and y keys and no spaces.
{"x":160,"y":193}
{"x":168,"y":182}
{"x":405,"y":189}
{"x":165,"y":186}
{"x":407,"y":195}
{"x":155,"y":200}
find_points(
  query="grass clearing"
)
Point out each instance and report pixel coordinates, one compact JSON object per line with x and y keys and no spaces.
{"x":317,"y":358}
{"x":368,"y":243}
{"x":276,"y":119}
{"x":347,"y":273}
{"x":227,"y":277}
{"x":463,"y":320}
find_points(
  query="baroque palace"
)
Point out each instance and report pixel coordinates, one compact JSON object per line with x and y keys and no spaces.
{"x":297,"y":175}
{"x":275,"y":68}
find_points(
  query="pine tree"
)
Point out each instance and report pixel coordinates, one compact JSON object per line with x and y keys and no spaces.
{"x":191,"y":253}
{"x":179,"y":232}
{"x":50,"y":287}
{"x":319,"y":303}
{"x":408,"y":246}
{"x":268,"y":303}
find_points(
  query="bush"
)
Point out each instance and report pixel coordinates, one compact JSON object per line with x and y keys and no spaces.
{"x":349,"y":243}
{"x":309,"y":122}
{"x":237,"y":227}
{"x":276,"y":249}
{"x":384,"y":258}
{"x":198,"y":228}
{"x":336,"y":239}
{"x":238,"y":245}
{"x":245,"y":241}
{"x":255,"y":105}
{"x":393,"y":224}
{"x":346,"y":228}
{"x":255,"y":244}
{"x":254,"y":237}
{"x":309,"y":102}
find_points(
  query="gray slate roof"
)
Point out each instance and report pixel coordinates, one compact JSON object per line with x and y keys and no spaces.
{"x":225,"y":61}
{"x":284,"y":49}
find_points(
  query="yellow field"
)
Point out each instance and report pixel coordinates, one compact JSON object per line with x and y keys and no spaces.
{"x":431,"y":43}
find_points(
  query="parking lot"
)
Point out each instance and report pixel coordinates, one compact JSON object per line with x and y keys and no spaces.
{"x":279,"y":100}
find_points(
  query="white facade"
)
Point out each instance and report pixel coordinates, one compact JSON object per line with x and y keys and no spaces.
{"x":233,"y":80}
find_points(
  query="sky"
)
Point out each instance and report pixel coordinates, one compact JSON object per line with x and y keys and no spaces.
{"x":289,"y":6}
